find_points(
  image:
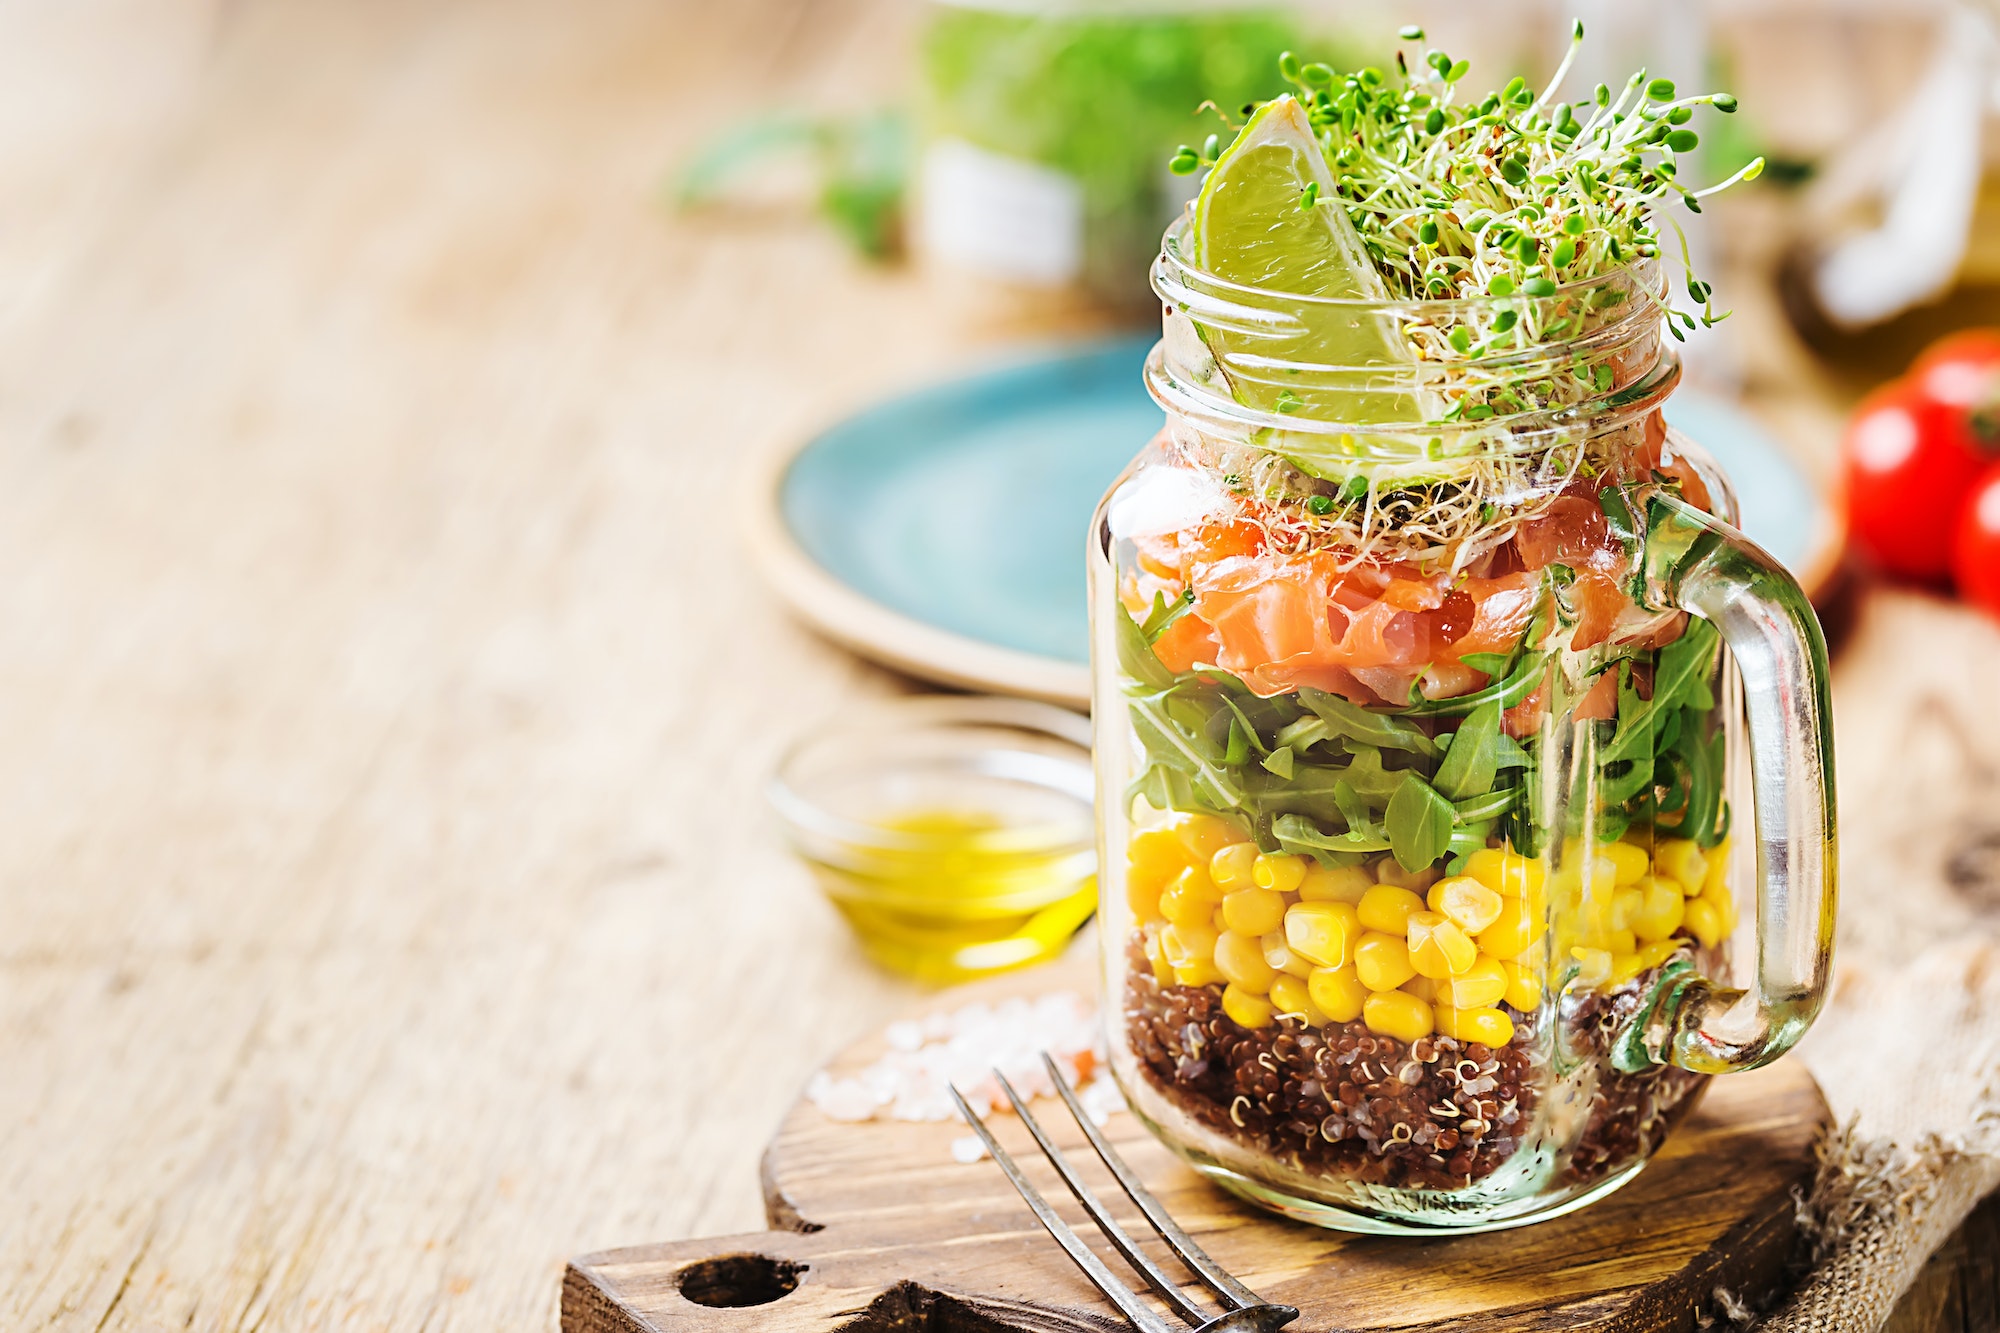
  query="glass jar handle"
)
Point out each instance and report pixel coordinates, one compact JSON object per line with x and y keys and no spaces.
{"x":1704,"y":566}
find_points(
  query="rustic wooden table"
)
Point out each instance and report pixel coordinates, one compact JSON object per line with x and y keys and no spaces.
{"x":387,"y":909}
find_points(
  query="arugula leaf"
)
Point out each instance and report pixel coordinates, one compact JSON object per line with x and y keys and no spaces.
{"x":1367,"y":776}
{"x":1238,"y":751}
{"x":1488,"y":806}
{"x":1308,"y":731}
{"x":1618,"y":516}
{"x":1419,"y":823}
{"x":1301,"y":837}
{"x":1515,"y":687}
{"x":1354,"y":812}
{"x":1632,"y":747}
{"x":1245,"y":727}
{"x":1166,"y":743}
{"x":1489,"y":664}
{"x":1279,"y":761}
{"x":1137,"y":659}
{"x":1472,"y":761}
{"x":1163,"y":788}
{"x":1352,"y":721}
{"x":1679,"y":681}
{"x":1164,"y":614}
{"x":1467,"y":838}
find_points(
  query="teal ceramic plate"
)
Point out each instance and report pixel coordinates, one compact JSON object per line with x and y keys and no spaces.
{"x":942,"y":532}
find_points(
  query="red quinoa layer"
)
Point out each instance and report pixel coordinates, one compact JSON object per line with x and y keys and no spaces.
{"x":1347,"y":1103}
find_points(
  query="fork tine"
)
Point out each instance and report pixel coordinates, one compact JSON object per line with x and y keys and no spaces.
{"x":1226,"y":1288}
{"x":1127,"y":1300}
{"x":1157,"y":1279}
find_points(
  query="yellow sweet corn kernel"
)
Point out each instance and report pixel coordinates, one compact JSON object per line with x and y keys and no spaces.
{"x":1625,"y":966}
{"x":1229,"y":868}
{"x":1195,"y":883}
{"x":1619,"y":941}
{"x":1203,"y":973}
{"x":1438,"y":948}
{"x":1254,"y":912}
{"x":1659,"y":951}
{"x":1382,"y":961}
{"x":1218,"y":920}
{"x":1422,"y":987}
{"x":1397,"y":1014}
{"x":1524,"y":988}
{"x":1252,"y":1011}
{"x":1185,"y":903}
{"x":1724,"y":900}
{"x":1188,"y":943}
{"x":1681,"y":859}
{"x":1289,"y":995}
{"x":1280,"y":873}
{"x":1588,"y":884}
{"x":1389,"y":870}
{"x":1660,"y":913}
{"x":1625,"y":905}
{"x":1704,"y":922}
{"x":1283,"y":958}
{"x":1594,"y":967}
{"x":1387,"y":908}
{"x":1628,"y":862}
{"x":1480,"y":1023}
{"x":1512,"y":931}
{"x":1154,"y":856}
{"x":1338,"y":992}
{"x":1470,"y":904}
{"x":1324,"y":932}
{"x":1143,"y":898}
{"x":1505,"y":871}
{"x":1335,"y":884}
{"x":1197,"y":880}
{"x":1204,"y":835}
{"x":1727,"y":911}
{"x":1718,"y":869}
{"x":1163,"y":971}
{"x":1478,"y":987}
{"x":1241,"y":959}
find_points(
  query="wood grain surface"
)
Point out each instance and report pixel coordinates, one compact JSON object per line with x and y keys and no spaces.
{"x":387,"y":910}
{"x":880,"y":1210}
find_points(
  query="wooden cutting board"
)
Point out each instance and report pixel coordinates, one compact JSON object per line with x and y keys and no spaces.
{"x":878,"y":1230}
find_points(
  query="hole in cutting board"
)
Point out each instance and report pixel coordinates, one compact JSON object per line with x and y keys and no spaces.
{"x":733,"y":1281}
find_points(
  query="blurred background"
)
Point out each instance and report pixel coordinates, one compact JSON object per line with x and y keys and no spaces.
{"x":425,"y":424}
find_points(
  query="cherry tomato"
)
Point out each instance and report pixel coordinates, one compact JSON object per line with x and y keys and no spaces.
{"x":1909,"y":462}
{"x":1976,"y":559}
{"x":1961,"y":371}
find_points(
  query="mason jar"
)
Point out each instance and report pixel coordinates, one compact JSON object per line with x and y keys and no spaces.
{"x":1427,"y":664}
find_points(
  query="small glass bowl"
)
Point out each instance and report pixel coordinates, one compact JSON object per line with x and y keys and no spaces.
{"x":954,"y":833}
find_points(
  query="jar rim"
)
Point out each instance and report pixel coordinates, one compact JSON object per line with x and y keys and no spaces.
{"x":1647,"y":276}
{"x":1484,"y":376}
{"x":1522,"y":432}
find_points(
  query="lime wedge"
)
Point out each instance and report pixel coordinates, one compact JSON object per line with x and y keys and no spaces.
{"x":1250,"y":228}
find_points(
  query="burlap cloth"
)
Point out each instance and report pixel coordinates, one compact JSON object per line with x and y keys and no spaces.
{"x":1907,"y":1050}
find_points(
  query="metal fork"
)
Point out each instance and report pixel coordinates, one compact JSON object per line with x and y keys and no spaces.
{"x":1246,"y":1310}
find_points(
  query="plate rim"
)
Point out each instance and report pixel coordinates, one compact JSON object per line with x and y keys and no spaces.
{"x":869,"y":628}
{"x":882,"y":634}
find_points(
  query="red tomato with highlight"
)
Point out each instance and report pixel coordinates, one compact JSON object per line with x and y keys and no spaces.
{"x":1976,"y":559}
{"x":1909,"y":461}
{"x":1961,"y":371}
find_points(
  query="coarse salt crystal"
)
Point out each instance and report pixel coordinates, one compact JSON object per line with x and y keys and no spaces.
{"x":846,"y":1099}
{"x":927,"y":1057}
